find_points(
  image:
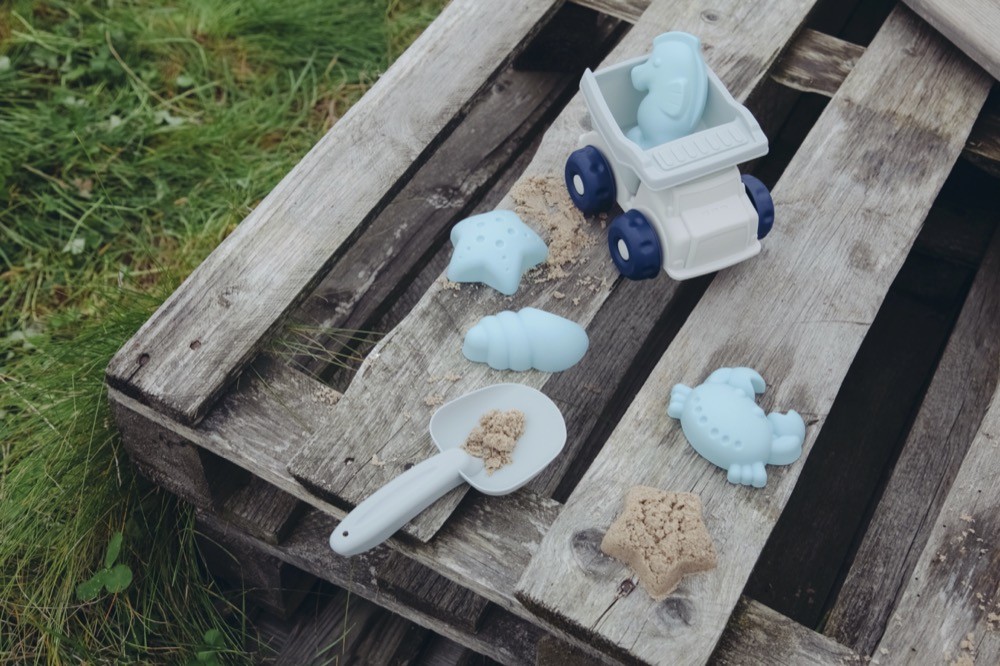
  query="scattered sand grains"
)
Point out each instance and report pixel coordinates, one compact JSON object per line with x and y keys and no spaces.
{"x":544,"y":202}
{"x":326,"y":395}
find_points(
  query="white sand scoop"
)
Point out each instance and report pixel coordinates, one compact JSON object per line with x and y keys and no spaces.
{"x":394,"y":504}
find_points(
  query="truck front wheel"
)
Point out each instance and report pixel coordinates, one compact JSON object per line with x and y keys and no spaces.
{"x":590,"y":181}
{"x":634,"y":246}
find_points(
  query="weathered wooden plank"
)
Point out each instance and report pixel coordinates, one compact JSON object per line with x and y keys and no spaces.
{"x":262,"y":442}
{"x":199,"y":340}
{"x":507,"y":529}
{"x":758,"y":635}
{"x":797,"y":314}
{"x":950,"y":609}
{"x":486,"y":144}
{"x":755,"y":634}
{"x":740,"y":44}
{"x":972,"y":25}
{"x":983,"y":146}
{"x":925,"y":472}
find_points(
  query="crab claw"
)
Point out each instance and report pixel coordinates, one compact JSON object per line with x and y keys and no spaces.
{"x":747,"y":380}
{"x":678,"y":396}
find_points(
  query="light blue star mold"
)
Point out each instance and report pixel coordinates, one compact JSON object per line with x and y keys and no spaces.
{"x":526,"y":339}
{"x":494,"y":248}
{"x":723,"y":423}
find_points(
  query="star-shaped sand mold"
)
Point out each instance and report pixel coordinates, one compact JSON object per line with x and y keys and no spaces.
{"x":494,"y":248}
{"x":661,"y":537}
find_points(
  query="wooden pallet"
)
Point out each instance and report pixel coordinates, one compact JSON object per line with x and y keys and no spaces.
{"x":272,"y":454}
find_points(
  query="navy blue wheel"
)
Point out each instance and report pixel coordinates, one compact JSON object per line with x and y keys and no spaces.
{"x":634,"y":246}
{"x":590,"y":181}
{"x":760,"y":197}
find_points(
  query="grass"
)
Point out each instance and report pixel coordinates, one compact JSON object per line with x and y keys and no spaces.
{"x":134,"y":136}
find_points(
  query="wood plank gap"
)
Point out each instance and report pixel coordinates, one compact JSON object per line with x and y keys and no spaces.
{"x":925,"y":472}
{"x":950,"y":608}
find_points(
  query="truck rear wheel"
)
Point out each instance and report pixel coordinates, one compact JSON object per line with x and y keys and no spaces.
{"x":762,"y":202}
{"x":590,"y":181}
{"x":634,"y":246}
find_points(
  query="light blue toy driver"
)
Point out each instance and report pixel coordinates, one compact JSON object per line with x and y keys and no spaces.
{"x":724,"y":424}
{"x":677,"y":80}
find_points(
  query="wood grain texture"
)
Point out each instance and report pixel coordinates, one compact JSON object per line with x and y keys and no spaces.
{"x":334,"y":627}
{"x":953,"y":594}
{"x":797,"y":314}
{"x":759,"y":636}
{"x":199,"y":340}
{"x":817,"y":63}
{"x":972,"y":25}
{"x":626,"y":10}
{"x":925,"y":472}
{"x":262,"y":510}
{"x":740,"y":43}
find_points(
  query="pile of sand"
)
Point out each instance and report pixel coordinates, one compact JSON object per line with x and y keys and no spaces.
{"x":495,"y":437}
{"x":544,"y":202}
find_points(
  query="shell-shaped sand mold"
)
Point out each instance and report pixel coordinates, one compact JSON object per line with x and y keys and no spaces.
{"x":494,"y":248}
{"x":526,"y":339}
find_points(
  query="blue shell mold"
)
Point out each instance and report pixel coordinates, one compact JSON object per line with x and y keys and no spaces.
{"x":724,"y":424}
{"x":526,"y":339}
{"x":494,"y":248}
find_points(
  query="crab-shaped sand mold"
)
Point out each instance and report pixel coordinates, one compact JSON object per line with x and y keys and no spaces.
{"x":724,"y":424}
{"x":494,"y":248}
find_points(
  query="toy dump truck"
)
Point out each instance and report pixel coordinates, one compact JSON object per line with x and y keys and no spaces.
{"x":686,"y":208}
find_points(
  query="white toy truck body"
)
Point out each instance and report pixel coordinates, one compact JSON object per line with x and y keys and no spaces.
{"x":689,"y":189}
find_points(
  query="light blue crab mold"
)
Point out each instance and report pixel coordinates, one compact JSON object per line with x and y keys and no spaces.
{"x":526,"y":339}
{"x":677,"y":80}
{"x":494,"y":248}
{"x":723,"y":423}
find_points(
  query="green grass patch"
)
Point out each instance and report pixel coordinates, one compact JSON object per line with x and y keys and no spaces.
{"x":134,"y":136}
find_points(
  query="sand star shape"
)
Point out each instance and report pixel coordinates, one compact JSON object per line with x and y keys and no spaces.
{"x":661,"y":537}
{"x":494,"y":248}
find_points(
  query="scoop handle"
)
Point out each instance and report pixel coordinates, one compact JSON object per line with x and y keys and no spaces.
{"x":394,"y":504}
